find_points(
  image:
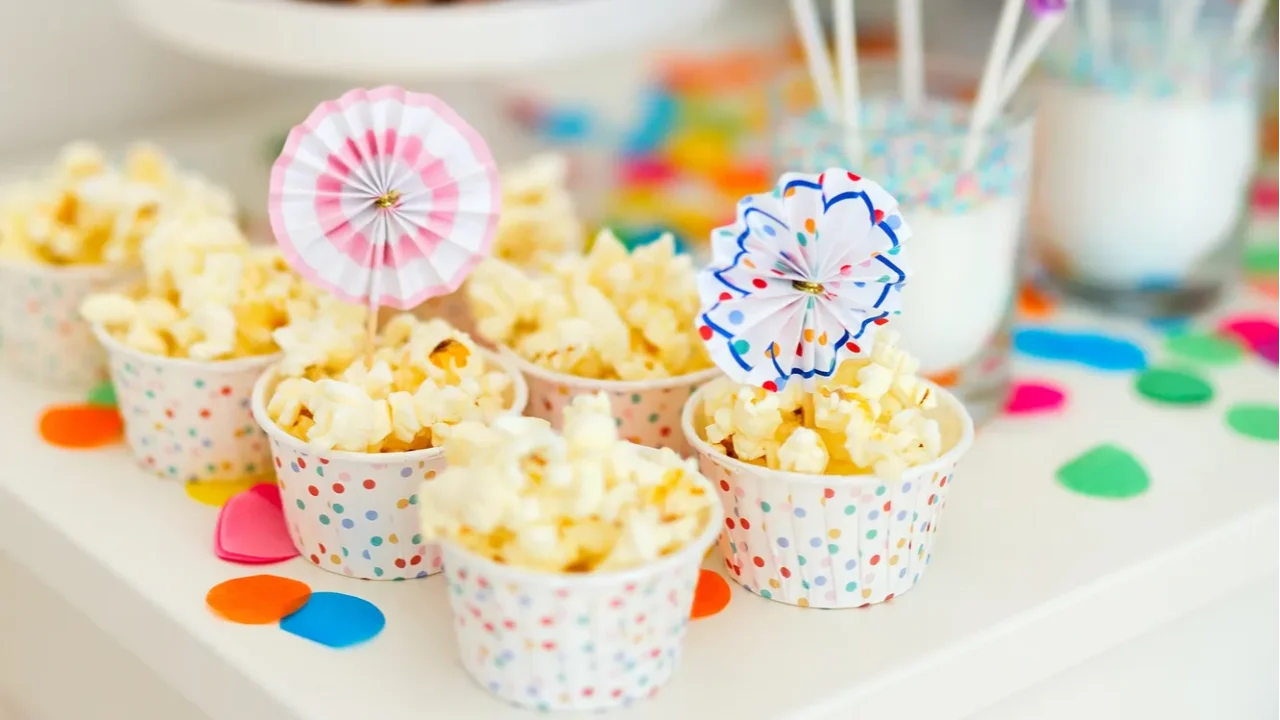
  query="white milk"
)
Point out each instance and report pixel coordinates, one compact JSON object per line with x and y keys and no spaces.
{"x":1132,"y":188}
{"x":964,"y":275}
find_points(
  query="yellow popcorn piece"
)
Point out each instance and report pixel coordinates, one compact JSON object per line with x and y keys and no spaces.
{"x":206,"y":293}
{"x":608,"y":315}
{"x":538,"y":219}
{"x":520,"y":494}
{"x":867,"y":417}
{"x":425,"y":379}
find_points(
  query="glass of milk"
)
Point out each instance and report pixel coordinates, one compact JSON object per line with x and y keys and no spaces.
{"x":967,"y":227}
{"x":1144,"y":157}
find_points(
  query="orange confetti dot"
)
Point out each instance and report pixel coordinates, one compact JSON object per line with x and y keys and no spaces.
{"x":81,"y":426}
{"x":809,"y":226}
{"x":257,"y":599}
{"x":711,"y":595}
{"x":945,"y":379}
{"x":1034,"y":303}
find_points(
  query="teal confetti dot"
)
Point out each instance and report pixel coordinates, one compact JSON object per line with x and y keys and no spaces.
{"x":375,"y":541}
{"x":301,"y":505}
{"x":765,"y":506}
{"x":742,"y":347}
{"x":324,"y":519}
{"x":338,"y":508}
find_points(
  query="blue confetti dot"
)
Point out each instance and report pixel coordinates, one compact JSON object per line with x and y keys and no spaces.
{"x":768,"y":230}
{"x":1093,"y":350}
{"x":815,"y":542}
{"x":346,"y":523}
{"x":893,"y":221}
{"x":735,"y":317}
{"x":406,"y":472}
{"x":371,"y":515}
{"x":335,"y":620}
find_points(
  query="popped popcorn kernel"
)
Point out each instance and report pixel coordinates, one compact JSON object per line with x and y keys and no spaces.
{"x":539,"y":221}
{"x":206,"y":293}
{"x":83,"y":211}
{"x":582,"y":501}
{"x":608,"y":315}
{"x":425,"y":378}
{"x":868,"y":417}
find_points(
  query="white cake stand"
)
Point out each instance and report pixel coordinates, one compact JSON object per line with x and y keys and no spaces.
{"x":347,"y":41}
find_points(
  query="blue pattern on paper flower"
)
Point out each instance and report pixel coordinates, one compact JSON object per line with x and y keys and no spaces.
{"x":802,"y":278}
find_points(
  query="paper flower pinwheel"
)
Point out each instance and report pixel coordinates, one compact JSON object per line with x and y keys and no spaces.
{"x":802,"y":279}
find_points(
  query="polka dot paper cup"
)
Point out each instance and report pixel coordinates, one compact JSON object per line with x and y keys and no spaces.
{"x":647,"y":412}
{"x":352,"y":513}
{"x":42,"y":335}
{"x":186,"y":419}
{"x":831,"y":541}
{"x":573,"y":642}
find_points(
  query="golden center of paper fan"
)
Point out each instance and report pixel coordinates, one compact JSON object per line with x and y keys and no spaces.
{"x":388,"y":200}
{"x":812,"y":288}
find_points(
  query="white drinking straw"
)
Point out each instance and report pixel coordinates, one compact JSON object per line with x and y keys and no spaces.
{"x":992,"y":76}
{"x":847,"y":62}
{"x":815,"y":53}
{"x":1247,"y":19}
{"x":1027,"y":54}
{"x":910,"y":53}
{"x":1182,"y":20}
{"x":1097,"y":17}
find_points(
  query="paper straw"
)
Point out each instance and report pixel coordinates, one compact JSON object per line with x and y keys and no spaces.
{"x":910,"y":53}
{"x":1247,"y":19}
{"x":847,"y":55}
{"x":992,"y":76}
{"x":815,"y":53}
{"x":1026,"y":55}
{"x":1097,"y":16}
{"x":1182,"y":20}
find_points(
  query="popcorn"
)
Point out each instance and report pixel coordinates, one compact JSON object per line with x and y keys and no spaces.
{"x":207,"y":294}
{"x":868,"y":417}
{"x":538,"y":219}
{"x":584,"y":501}
{"x":425,"y":379}
{"x":84,"y":212}
{"x":609,"y":315}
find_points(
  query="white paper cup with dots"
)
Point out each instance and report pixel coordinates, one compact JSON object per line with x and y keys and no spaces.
{"x":356,"y":514}
{"x":590,"y":641}
{"x":185,"y":419}
{"x":831,"y":541}
{"x":42,"y":335}
{"x":647,"y":412}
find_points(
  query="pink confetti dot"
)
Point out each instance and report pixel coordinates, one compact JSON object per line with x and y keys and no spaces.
{"x":1259,"y":332}
{"x":1029,"y":398}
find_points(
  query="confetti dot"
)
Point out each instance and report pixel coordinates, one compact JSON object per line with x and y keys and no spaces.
{"x":80,"y":427}
{"x":257,"y":599}
{"x":216,"y":493}
{"x":742,"y":347}
{"x":1030,"y":398}
{"x":1255,"y":420}
{"x":1174,"y":387}
{"x":1106,"y":471}
{"x":1203,"y":348}
{"x":1262,"y":259}
{"x":1260,"y":334}
{"x":711,"y":595}
{"x":102,"y":395}
{"x":1100,"y":352}
{"x":335,"y":620}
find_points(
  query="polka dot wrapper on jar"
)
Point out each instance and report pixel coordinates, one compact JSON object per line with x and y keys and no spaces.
{"x":588,"y":641}
{"x":357,"y":514}
{"x":647,"y":411}
{"x":831,"y":541}
{"x":42,"y":335}
{"x":187,"y":419}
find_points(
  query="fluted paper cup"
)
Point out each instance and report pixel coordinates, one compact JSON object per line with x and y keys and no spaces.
{"x":42,"y":335}
{"x":356,"y":514}
{"x":187,"y":419}
{"x":831,"y":541}
{"x":591,"y":641}
{"x":647,"y":412}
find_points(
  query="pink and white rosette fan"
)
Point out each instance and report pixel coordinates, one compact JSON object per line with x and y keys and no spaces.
{"x":385,"y":197}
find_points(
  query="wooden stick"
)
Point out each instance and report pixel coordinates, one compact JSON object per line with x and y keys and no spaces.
{"x":847,"y":56}
{"x":815,"y":53}
{"x":370,"y":334}
{"x":992,"y":76}
{"x":911,"y":53}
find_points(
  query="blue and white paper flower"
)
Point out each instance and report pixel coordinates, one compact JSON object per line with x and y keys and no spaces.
{"x":802,"y":279}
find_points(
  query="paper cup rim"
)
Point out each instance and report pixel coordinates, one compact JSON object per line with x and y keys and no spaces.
{"x":692,"y":553}
{"x":947,"y":459}
{"x":619,"y":386}
{"x":519,"y":399}
{"x":101,"y":271}
{"x":115,"y":347}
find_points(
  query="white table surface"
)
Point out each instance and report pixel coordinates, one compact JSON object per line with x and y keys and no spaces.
{"x":1028,"y":579}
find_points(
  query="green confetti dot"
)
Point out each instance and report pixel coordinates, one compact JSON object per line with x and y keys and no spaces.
{"x":765,"y":594}
{"x":833,"y":549}
{"x":199,"y":384}
{"x":802,"y":560}
{"x":850,"y":509}
{"x":324,"y":519}
{"x":635,"y":399}
{"x":377,"y":572}
{"x":766,"y":506}
{"x":1204,"y":348}
{"x":871,"y":534}
{"x":1262,"y":259}
{"x":741,"y":346}
{"x":1256,"y":420}
{"x":416,"y":540}
{"x":800,"y":238}
{"x":1174,"y":387}
{"x":338,"y":508}
{"x":1106,"y":471}
{"x":301,"y":505}
{"x":103,"y":395}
